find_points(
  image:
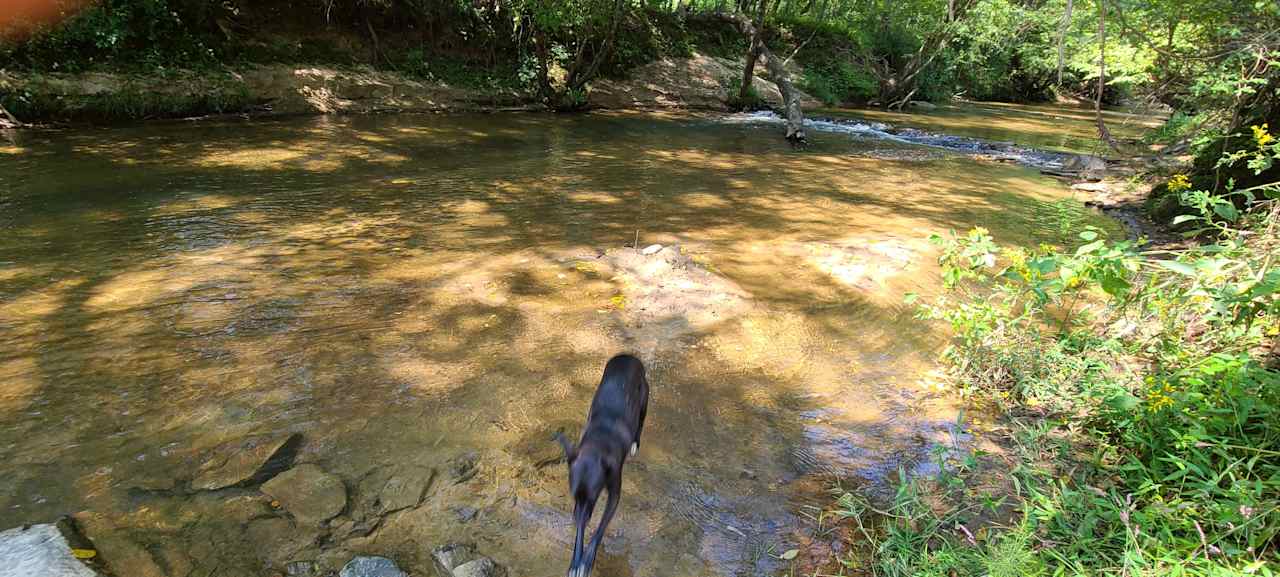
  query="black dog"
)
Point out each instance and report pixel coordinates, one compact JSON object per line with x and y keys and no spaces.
{"x":612,"y":432}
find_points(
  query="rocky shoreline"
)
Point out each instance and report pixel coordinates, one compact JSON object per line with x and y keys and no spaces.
{"x":699,"y":82}
{"x":297,"y":516}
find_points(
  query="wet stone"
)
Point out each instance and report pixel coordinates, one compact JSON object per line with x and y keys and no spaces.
{"x":300,"y":568}
{"x":124,"y":557}
{"x":463,"y":467}
{"x":234,"y":509}
{"x":249,"y":462}
{"x":309,"y":493}
{"x":174,"y":561}
{"x":371,"y":567}
{"x":465,"y":514}
{"x":482,"y":567}
{"x":451,"y":556}
{"x":386,"y":491}
{"x":38,"y":551}
{"x":330,"y":561}
{"x":278,"y":542}
{"x":1091,"y":186}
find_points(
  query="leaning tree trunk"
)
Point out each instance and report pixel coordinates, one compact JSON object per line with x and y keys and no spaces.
{"x":754,"y":43}
{"x":7,"y":119}
{"x":1103,"y":133}
{"x":1062,"y":37}
{"x":778,"y":73}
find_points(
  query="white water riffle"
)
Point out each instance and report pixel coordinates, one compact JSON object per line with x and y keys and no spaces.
{"x":1032,"y":157}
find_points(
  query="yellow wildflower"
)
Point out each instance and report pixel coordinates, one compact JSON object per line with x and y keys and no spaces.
{"x":1158,"y":401}
{"x":1179,"y":183}
{"x":1262,"y":136}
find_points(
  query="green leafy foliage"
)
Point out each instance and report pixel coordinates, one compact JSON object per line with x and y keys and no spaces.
{"x":1141,"y":418}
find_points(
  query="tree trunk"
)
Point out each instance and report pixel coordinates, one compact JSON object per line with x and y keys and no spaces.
{"x":1062,"y":37}
{"x":754,"y":45}
{"x":583,"y":69}
{"x":1103,"y":133}
{"x":7,"y":119}
{"x":749,"y":71}
{"x":373,"y":36}
{"x":791,"y":109}
{"x":897,"y":86}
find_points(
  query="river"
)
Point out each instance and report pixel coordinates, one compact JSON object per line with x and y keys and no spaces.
{"x":429,"y":297}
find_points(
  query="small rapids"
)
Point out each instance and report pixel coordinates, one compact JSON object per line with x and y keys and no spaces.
{"x":1004,"y":151}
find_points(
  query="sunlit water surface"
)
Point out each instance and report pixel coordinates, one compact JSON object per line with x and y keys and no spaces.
{"x":409,"y":291}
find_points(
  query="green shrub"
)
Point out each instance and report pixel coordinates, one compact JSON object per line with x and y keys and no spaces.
{"x":131,"y":34}
{"x":1143,"y":430}
{"x":753,"y":100}
{"x":838,"y":82}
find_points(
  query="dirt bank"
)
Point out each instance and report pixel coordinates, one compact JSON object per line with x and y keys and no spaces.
{"x":697,"y":82}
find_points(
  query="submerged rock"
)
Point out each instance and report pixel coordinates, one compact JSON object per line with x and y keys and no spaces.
{"x":1092,"y":186}
{"x":309,"y":493}
{"x":371,"y":567}
{"x":250,"y":462}
{"x":1085,"y":166}
{"x":39,"y":551}
{"x":452,"y":556}
{"x":482,"y":567}
{"x":465,"y":514}
{"x":388,"y":490}
{"x":463,"y":467}
{"x":300,"y":568}
{"x":121,"y":554}
{"x":668,"y":294}
{"x":277,"y":541}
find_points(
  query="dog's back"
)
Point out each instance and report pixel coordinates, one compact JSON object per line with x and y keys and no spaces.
{"x":620,"y":400}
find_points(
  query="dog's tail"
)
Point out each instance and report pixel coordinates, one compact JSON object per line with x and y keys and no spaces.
{"x":569,"y":450}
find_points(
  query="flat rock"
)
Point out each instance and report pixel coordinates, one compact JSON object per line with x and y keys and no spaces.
{"x":174,"y":560}
{"x":125,"y":557}
{"x":651,"y":249}
{"x":247,"y":462}
{"x":405,"y":489}
{"x":482,"y":567}
{"x":1091,"y":186}
{"x":38,"y":551}
{"x":309,"y":493}
{"x":278,"y":542}
{"x":300,"y":568}
{"x":1087,"y":166}
{"x":371,"y":567}
{"x":389,"y":490}
{"x":452,"y":556}
{"x":120,"y":554}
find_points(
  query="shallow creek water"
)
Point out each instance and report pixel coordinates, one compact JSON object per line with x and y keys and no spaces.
{"x":431,"y":297}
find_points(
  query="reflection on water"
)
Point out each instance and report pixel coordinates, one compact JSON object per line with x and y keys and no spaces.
{"x":405,"y":291}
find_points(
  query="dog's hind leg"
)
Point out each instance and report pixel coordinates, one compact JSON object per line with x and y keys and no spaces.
{"x":615,"y":495}
{"x":635,"y":444}
{"x":581,"y":515}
